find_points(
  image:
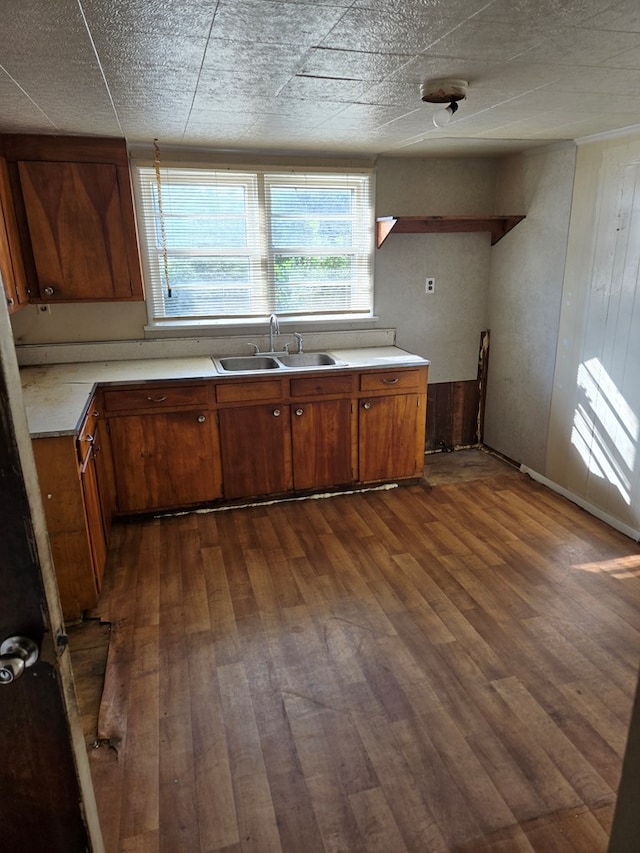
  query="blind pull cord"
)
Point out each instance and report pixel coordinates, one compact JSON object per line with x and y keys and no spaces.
{"x":163,"y":234}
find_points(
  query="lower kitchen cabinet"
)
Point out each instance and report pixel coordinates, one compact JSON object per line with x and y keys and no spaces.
{"x":321,"y":436}
{"x":164,"y":460}
{"x":391,"y":437}
{"x":255,"y":450}
{"x":72,"y":493}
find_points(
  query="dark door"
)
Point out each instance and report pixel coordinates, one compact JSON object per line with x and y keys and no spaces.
{"x":46,"y":798}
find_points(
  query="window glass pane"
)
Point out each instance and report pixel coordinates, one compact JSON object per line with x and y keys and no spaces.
{"x":183,"y":199}
{"x":198,"y":232}
{"x":308,"y":267}
{"x":208,"y":301}
{"x":310,"y":200}
{"x":311,"y":232}
{"x":309,"y":295}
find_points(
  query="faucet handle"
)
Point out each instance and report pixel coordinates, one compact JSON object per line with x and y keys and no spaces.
{"x":298,"y":338}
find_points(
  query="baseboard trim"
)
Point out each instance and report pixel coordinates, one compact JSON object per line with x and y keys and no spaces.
{"x":629,"y":531}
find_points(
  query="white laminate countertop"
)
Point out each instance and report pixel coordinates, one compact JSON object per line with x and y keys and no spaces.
{"x":56,"y":396}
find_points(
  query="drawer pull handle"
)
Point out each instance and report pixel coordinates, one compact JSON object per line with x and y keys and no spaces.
{"x":366,"y":405}
{"x":201,"y":419}
{"x":90,"y":438}
{"x":390,"y":381}
{"x":299,"y":412}
{"x":276,"y":413}
{"x":156,"y":399}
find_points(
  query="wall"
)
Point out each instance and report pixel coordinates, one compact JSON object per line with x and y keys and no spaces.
{"x":444,"y":327}
{"x":524,"y":299}
{"x":594,"y":430}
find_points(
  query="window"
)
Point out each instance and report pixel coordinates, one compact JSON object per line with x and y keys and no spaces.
{"x":223,"y":244}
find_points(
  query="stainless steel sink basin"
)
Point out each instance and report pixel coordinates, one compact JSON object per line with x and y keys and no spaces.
{"x":307,"y":359}
{"x":247,"y":362}
{"x":235,"y":363}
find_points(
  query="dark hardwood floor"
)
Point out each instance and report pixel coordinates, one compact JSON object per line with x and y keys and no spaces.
{"x":428,"y":668}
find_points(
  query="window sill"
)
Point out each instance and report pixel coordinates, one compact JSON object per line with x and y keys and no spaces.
{"x":259,"y":326}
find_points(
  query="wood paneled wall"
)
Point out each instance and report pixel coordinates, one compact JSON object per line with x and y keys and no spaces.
{"x":452,"y":414}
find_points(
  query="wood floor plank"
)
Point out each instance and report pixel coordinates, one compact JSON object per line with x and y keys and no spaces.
{"x":582,"y":777}
{"x":376,"y":822}
{"x":254,"y":806}
{"x":213,"y":788}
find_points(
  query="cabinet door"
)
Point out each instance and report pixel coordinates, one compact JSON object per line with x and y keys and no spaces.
{"x":11,"y":268}
{"x":256,"y":450}
{"x":321,"y":442}
{"x":104,"y":474}
{"x":164,"y":460}
{"x":95,"y":524}
{"x":391,"y":437}
{"x":65,"y":511}
{"x":79,"y":233}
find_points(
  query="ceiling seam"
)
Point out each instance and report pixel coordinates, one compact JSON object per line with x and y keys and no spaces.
{"x":101,"y":69}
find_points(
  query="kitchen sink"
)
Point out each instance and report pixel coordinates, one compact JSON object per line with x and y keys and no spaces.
{"x":247,"y":362}
{"x":235,"y":363}
{"x":307,"y":359}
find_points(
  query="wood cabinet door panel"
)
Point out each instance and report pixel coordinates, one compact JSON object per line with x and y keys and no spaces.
{"x":321,"y":441}
{"x":255,"y":450}
{"x":74,"y":214}
{"x":11,"y":266}
{"x":95,"y":524}
{"x":164,"y":460}
{"x":391,"y":431}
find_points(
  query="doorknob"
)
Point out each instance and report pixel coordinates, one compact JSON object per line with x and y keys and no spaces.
{"x":16,"y":654}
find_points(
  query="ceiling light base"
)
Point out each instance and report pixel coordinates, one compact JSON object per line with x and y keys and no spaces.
{"x":443,"y":90}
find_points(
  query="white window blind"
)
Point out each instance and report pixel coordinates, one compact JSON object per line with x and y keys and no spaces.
{"x":241,"y":244}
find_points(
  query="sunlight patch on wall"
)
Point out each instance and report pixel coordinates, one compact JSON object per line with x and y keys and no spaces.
{"x":605,"y":428}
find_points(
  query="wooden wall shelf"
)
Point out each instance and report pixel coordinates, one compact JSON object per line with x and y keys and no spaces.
{"x":498,"y":226}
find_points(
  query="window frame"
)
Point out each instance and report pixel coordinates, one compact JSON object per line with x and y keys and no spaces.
{"x":262,"y":257}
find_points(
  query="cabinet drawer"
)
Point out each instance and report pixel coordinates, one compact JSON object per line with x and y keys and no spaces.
{"x":270,"y":389}
{"x":311,"y":385}
{"x":388,"y":380}
{"x":155,"y":397}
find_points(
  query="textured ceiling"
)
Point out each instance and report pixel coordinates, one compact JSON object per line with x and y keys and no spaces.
{"x":323,"y":76}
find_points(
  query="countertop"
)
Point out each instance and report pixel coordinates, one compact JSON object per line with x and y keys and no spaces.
{"x":56,"y":396}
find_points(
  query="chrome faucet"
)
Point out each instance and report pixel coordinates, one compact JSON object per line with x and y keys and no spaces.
{"x":298,"y":338}
{"x":274,"y":329}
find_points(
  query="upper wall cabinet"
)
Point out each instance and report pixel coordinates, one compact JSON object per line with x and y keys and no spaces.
{"x":76,"y":218}
{"x":497,"y":226}
{"x":11,"y":267}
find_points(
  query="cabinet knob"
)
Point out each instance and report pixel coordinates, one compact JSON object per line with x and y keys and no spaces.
{"x":299,"y":412}
{"x":48,"y":291}
{"x":276,"y":413}
{"x":10,"y":300}
{"x":366,"y":405}
{"x":201,"y":419}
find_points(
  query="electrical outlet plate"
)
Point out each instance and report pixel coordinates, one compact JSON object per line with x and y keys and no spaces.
{"x":429,"y":285}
